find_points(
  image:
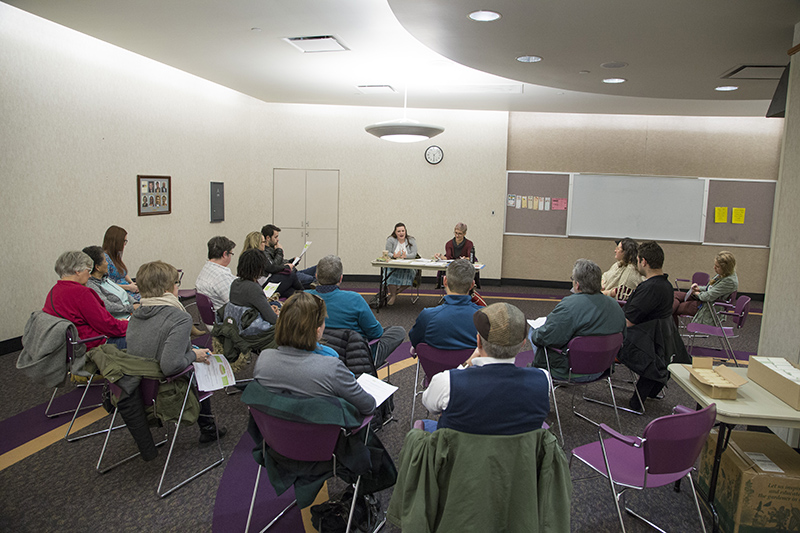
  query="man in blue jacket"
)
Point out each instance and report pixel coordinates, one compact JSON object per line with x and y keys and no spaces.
{"x":349,"y":310}
{"x":449,"y":326}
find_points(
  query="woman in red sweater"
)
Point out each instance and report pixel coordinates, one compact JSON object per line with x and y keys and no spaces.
{"x":72,"y":300}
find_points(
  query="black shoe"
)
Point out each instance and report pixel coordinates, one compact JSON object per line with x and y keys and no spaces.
{"x":209,"y":434}
{"x":635,"y":404}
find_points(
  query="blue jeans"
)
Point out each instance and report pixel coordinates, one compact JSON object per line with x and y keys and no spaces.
{"x":119,"y":342}
{"x":307,"y":276}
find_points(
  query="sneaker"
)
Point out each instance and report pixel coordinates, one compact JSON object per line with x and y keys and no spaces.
{"x":209,"y":434}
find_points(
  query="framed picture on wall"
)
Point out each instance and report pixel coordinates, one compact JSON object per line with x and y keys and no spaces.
{"x":154,"y":195}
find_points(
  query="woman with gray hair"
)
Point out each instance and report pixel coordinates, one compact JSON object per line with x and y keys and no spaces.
{"x":116,"y":299}
{"x":456,"y":248}
{"x":72,"y":300}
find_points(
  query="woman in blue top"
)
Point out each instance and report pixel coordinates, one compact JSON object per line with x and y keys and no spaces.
{"x":114,"y":243}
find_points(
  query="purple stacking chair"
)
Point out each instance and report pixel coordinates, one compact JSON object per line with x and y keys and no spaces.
{"x":587,"y":355}
{"x":738,"y":314}
{"x":302,"y":442}
{"x":72,"y":341}
{"x":433,"y":360}
{"x":701,"y":278}
{"x":664,"y":454}
{"x":149,"y":388}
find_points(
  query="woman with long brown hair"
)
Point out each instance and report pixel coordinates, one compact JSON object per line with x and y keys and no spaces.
{"x":114,"y":242}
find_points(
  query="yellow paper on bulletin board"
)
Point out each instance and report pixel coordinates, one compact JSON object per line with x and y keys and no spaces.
{"x":737,"y":217}
{"x":720,"y":215}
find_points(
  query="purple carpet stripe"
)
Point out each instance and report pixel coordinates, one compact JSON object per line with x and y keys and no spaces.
{"x":401,"y":353}
{"x":236,"y":489}
{"x":432,"y":292}
{"x":711,"y":352}
{"x":26,"y":426}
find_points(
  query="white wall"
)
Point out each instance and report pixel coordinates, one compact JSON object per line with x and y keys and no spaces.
{"x":79,"y":119}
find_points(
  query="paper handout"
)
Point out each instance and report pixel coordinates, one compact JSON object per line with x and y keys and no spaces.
{"x":380,"y":390}
{"x":215,"y":375}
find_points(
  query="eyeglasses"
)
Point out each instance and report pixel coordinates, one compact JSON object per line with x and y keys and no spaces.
{"x":178,"y":282}
{"x":126,"y":241}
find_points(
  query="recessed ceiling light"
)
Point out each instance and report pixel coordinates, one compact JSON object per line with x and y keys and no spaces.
{"x":255,"y":29}
{"x":584,"y":72}
{"x":376,"y":89}
{"x":614,"y":80}
{"x":529,"y":59}
{"x":484,"y":16}
{"x":726,"y":88}
{"x":614,"y":64}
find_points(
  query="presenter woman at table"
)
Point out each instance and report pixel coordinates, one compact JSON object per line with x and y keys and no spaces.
{"x":459,"y":246}
{"x":400,"y":245}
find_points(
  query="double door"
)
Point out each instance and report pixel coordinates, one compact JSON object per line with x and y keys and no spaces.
{"x":306,"y":208}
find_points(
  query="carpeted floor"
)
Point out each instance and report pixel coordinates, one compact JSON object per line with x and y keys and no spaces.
{"x":57,"y":488}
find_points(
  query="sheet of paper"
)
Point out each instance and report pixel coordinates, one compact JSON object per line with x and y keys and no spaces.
{"x":524,"y":202}
{"x":511,"y":200}
{"x":738,"y":215}
{"x":559,"y":204}
{"x":530,"y":202}
{"x":518,"y":203}
{"x":270,"y":288}
{"x":380,"y":390}
{"x":215,"y":375}
{"x":537,"y":323}
{"x":299,"y":257}
{"x":720,"y":215}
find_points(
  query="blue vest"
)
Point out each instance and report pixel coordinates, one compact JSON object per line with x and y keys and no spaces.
{"x":496,"y":399}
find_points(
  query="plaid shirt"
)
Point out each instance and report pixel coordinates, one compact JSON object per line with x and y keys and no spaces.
{"x":215,"y":282}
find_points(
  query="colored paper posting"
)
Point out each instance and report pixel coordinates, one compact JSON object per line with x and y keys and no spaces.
{"x":737,"y":217}
{"x":720,"y":215}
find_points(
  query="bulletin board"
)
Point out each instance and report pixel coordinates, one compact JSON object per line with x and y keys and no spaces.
{"x":537,"y":204}
{"x":739,"y":212}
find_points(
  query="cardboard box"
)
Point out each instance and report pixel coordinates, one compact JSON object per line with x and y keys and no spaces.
{"x":778,"y":376}
{"x":752,"y":495}
{"x":718,"y":382}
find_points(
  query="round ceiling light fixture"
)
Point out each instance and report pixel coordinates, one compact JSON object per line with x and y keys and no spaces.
{"x":529,"y":59}
{"x":614,"y":80}
{"x":484,"y":16}
{"x":726,"y":88}
{"x":403,"y":130}
{"x":614,"y":64}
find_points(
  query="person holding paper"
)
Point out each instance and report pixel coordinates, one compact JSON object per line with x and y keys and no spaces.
{"x":282,"y":269}
{"x":459,"y":246}
{"x":585,"y":312}
{"x":161,"y":329}
{"x":698,"y":302}
{"x":294,"y":369}
{"x":400,"y":245}
{"x":246,"y":292}
{"x":624,"y":271}
{"x":492,"y":396}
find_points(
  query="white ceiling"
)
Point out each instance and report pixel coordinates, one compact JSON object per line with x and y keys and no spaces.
{"x":677,"y":51}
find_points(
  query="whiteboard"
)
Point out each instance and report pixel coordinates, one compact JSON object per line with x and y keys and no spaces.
{"x":639,"y":207}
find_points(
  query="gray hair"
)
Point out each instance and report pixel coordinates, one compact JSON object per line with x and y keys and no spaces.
{"x":70,"y":263}
{"x":588,"y":276}
{"x":329,"y":270}
{"x":500,"y":352}
{"x":461,"y":227}
{"x":460,"y":274}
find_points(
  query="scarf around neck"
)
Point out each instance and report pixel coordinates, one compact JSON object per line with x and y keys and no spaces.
{"x":166,"y":299}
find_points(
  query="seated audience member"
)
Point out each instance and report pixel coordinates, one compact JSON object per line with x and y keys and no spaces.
{"x":459,"y":246}
{"x":652,"y":340}
{"x":245,"y":292}
{"x":160,"y":329}
{"x":254,"y":240}
{"x":281,"y":269}
{"x":116,"y":299}
{"x":349,"y":310}
{"x":114,"y":242}
{"x":295,"y":369}
{"x":400,"y":245}
{"x":449,"y":326}
{"x":71,"y":300}
{"x":492,"y":396}
{"x":700,"y":303}
{"x":624,"y":271}
{"x":587,"y":312}
{"x":215,"y":277}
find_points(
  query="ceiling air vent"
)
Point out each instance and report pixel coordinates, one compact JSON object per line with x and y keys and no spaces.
{"x":319,"y":43}
{"x":755,"y":72}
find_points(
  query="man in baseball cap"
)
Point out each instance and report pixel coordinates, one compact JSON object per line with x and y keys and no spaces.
{"x":491,"y":396}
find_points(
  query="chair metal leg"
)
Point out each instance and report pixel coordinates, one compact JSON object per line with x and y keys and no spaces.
{"x":611,"y":483}
{"x":253,"y":503}
{"x":414,"y":398}
{"x":555,"y":407}
{"x":75,"y":417}
{"x":234,"y":389}
{"x":172,"y":447}
{"x":103,"y":470}
{"x":48,"y":414}
{"x":353,"y":505}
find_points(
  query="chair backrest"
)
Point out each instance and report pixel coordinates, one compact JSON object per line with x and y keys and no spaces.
{"x":674,"y":442}
{"x":434,"y":360}
{"x":205,"y":308}
{"x":297,"y":440}
{"x":701,"y":278}
{"x":593,"y":354}
{"x":741,"y":310}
